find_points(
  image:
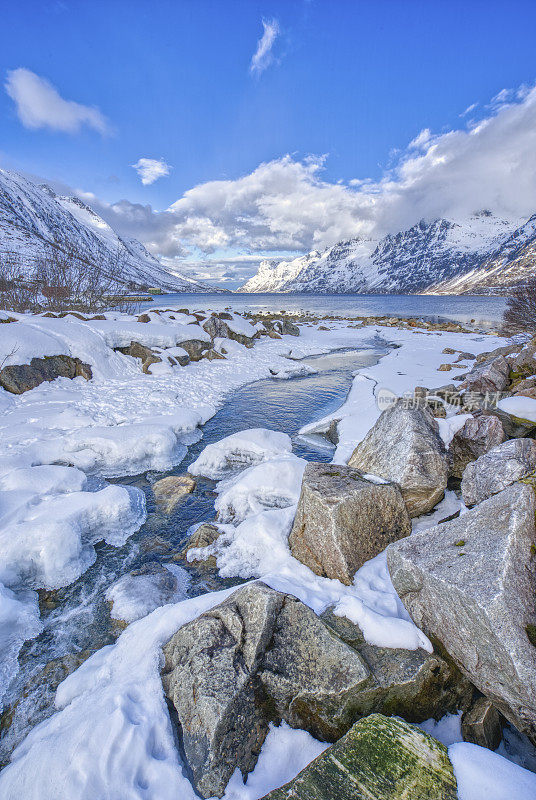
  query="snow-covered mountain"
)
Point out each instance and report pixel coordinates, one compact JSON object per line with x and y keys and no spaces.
{"x":34,"y":217}
{"x":483,"y":254}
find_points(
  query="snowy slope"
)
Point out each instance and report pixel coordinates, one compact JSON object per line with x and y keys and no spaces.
{"x":33,"y":217}
{"x":511,"y":263}
{"x":434,"y":256}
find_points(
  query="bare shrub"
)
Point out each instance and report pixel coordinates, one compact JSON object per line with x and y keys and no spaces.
{"x":64,"y":279}
{"x":519,"y":318}
{"x":18,"y":287}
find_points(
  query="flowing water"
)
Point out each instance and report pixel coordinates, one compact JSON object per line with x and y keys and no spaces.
{"x":77,"y":618}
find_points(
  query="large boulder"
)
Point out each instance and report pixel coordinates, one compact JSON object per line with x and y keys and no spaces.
{"x":380,"y":758}
{"x":470,"y":584}
{"x":478,"y":435}
{"x":210,"y":678}
{"x":492,"y":376}
{"x":344,"y":519}
{"x":20,"y":378}
{"x":412,"y":684}
{"x":404,"y":446}
{"x":498,"y":468}
{"x":195,"y":348}
{"x":228,"y":328}
{"x":263,"y":656}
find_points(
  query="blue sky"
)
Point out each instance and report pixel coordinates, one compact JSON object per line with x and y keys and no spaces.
{"x":350,"y":82}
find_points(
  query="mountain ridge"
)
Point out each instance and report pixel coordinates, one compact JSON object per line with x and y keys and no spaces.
{"x":33,"y":218}
{"x":483,"y":254}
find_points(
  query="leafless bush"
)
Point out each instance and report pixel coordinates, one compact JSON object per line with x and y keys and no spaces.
{"x":519,"y":318}
{"x":18,"y":288}
{"x":64,"y":279}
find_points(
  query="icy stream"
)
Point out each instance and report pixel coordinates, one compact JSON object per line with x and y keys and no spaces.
{"x":77,"y":618}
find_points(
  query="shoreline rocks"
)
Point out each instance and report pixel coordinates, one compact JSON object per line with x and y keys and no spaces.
{"x":470,"y":584}
{"x":344,"y":519}
{"x":20,"y":378}
{"x":404,"y":446}
{"x":262,"y":656}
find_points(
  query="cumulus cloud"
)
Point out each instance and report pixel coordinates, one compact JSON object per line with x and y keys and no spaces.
{"x":151,"y":169}
{"x":40,"y":105}
{"x":263,"y":55}
{"x":288,"y":206}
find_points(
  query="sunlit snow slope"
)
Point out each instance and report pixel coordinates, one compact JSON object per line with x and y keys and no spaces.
{"x":33,"y":217}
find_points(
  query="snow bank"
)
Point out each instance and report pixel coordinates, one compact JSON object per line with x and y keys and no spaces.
{"x":272,"y":484}
{"x":238,"y":451}
{"x":522,"y":407}
{"x":19,"y":620}
{"x":481,"y":773}
{"x":48,"y":541}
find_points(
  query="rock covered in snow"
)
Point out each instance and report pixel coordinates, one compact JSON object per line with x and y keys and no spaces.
{"x":404,"y":447}
{"x":139,"y":592}
{"x":380,"y":758}
{"x":470,"y":584}
{"x":20,"y":378}
{"x":498,"y":468}
{"x":238,"y":451}
{"x":344,"y":519}
{"x":478,"y":435}
{"x":271,"y":484}
{"x":237,"y":329}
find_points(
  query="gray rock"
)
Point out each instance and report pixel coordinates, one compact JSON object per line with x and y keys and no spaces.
{"x":470,"y":585}
{"x":481,"y":724}
{"x":514,"y":427}
{"x":380,"y":758}
{"x":20,"y":378}
{"x":404,"y":446}
{"x":344,"y":519}
{"x":477,"y":436}
{"x":412,"y":684}
{"x":498,"y":468}
{"x":524,"y":363}
{"x":489,"y":355}
{"x":210,"y":678}
{"x":213,"y":355}
{"x":195,"y":348}
{"x":203,"y":536}
{"x":492,"y":376}
{"x":169,"y":492}
{"x":215,"y":326}
{"x":264,"y":656}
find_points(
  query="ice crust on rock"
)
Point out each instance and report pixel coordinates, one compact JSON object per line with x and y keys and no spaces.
{"x":240,"y":450}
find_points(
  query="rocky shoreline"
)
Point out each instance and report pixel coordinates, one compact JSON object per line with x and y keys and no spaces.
{"x":469,"y":584}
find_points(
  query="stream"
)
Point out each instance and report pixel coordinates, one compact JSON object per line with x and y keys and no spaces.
{"x":77,"y":619}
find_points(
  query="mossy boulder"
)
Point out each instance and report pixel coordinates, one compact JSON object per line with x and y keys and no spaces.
{"x":380,"y":758}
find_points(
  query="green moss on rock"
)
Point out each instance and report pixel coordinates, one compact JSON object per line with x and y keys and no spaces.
{"x":380,"y":758}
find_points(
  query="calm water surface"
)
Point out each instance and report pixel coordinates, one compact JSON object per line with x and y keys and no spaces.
{"x":485,"y":311}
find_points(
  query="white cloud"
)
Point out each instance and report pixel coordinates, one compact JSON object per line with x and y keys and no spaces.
{"x":39,"y":105}
{"x":287,"y":205}
{"x":263,"y":56}
{"x":151,"y":169}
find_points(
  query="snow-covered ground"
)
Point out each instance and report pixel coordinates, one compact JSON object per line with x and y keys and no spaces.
{"x":111,"y":735}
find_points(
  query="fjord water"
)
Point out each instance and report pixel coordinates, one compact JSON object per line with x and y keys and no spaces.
{"x":485,"y":311}
{"x":77,"y":618}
